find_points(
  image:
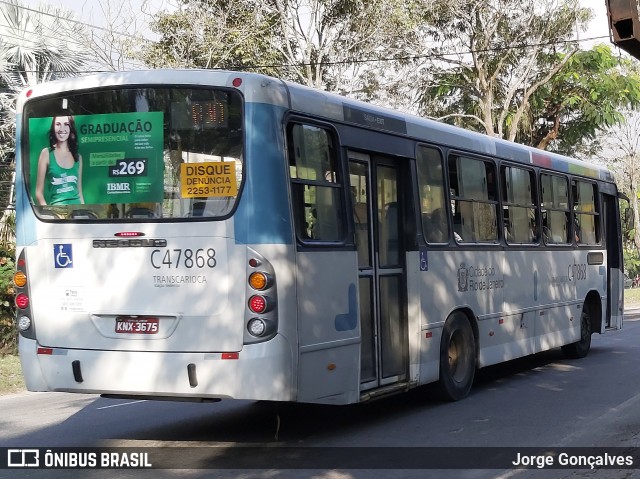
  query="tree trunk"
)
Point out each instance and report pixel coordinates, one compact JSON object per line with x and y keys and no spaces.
{"x":633,"y":202}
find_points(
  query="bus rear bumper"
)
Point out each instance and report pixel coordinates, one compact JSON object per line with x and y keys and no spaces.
{"x":259,"y":372}
{"x":31,"y":371}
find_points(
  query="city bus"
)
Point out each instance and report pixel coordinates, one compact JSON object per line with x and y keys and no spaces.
{"x":205,"y":235}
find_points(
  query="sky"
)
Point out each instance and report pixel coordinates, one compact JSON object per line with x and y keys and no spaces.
{"x":599,"y":26}
{"x":89,"y":11}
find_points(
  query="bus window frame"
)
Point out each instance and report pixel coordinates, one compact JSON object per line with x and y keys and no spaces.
{"x":536,"y":203}
{"x":597,"y":200}
{"x":447,"y":200}
{"x":45,"y":214}
{"x":571,"y":243}
{"x":309,"y":243}
{"x":494,"y":161}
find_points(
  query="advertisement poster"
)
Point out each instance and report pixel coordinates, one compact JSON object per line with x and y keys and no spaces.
{"x":121,"y":156}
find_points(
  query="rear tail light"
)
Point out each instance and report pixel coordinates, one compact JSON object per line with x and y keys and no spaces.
{"x":259,"y":281}
{"x":22,"y":301}
{"x":257,"y":327}
{"x":19,"y":279}
{"x":258,"y":304}
{"x":24,"y":323}
{"x":261,"y":315}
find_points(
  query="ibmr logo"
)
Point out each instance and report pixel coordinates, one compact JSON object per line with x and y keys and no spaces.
{"x":118,"y":188}
{"x":23,"y":458}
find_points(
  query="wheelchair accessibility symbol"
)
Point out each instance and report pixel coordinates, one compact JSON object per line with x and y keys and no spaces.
{"x":63,"y":256}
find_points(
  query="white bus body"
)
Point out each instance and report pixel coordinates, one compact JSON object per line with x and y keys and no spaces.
{"x":144,"y":290}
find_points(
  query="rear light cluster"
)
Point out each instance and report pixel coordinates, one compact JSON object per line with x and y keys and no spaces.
{"x":260,"y":318}
{"x":21,"y":286}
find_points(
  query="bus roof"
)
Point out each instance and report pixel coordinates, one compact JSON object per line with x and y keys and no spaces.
{"x":263,"y":89}
{"x":329,"y":105}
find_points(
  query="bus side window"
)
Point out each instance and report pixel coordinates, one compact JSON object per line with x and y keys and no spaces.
{"x":316,"y":189}
{"x":555,"y":209}
{"x":473,"y":182}
{"x":586,"y":216}
{"x":519,"y":205}
{"x":435,"y":226}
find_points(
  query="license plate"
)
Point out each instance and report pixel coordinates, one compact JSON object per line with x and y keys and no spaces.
{"x":137,"y":325}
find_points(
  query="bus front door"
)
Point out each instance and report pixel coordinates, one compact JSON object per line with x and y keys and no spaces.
{"x":615,"y":276}
{"x":377,"y":212}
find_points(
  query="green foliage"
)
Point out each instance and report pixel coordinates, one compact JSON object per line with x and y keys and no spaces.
{"x":36,"y":45}
{"x":585,"y":97}
{"x":506,"y":48}
{"x":8,"y":335}
{"x":631,"y":262}
{"x":214,"y":34}
{"x":349,"y":46}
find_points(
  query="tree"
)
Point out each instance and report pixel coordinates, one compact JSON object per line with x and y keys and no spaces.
{"x":35,"y":46}
{"x":337,"y":45}
{"x":585,"y":97}
{"x":622,"y":149}
{"x":212,"y":34}
{"x":7,"y":122}
{"x":39,"y":45}
{"x":112,"y":46}
{"x":488,"y":64}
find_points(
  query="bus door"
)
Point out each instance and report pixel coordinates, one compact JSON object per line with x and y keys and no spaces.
{"x":615,"y":276}
{"x":377,"y":212}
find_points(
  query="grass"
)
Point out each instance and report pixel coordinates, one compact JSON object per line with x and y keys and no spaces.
{"x":632,"y":298}
{"x":10,"y":375}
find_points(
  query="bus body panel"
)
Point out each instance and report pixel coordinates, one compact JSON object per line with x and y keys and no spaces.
{"x":255,"y":88}
{"x":194,"y":297}
{"x":529,"y":302}
{"x":262,"y":371}
{"x":616,"y":278}
{"x":414,"y":260}
{"x":25,"y":219}
{"x":329,"y":330}
{"x":263,"y":216}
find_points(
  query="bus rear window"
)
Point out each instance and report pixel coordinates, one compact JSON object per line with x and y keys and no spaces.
{"x":134,"y":153}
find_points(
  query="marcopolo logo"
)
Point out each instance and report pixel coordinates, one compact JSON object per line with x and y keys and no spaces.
{"x":118,"y":188}
{"x":23,"y":458}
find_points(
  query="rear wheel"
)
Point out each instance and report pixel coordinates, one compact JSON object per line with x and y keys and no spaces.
{"x":457,"y":358}
{"x":580,"y":348}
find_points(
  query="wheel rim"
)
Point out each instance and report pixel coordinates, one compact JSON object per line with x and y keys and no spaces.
{"x":457,"y":366}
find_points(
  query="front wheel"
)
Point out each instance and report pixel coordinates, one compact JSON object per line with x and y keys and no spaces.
{"x":457,"y":358}
{"x":580,"y":348}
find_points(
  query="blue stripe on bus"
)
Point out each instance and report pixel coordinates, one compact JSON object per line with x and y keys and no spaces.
{"x":25,"y":219}
{"x":263,"y":215}
{"x":349,"y":321}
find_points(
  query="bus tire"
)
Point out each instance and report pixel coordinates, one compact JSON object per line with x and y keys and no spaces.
{"x":580,"y":348}
{"x":457,"y":358}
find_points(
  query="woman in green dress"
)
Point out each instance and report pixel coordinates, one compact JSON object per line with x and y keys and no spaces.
{"x":59,"y":180}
